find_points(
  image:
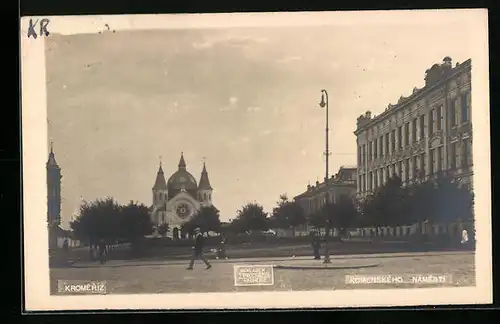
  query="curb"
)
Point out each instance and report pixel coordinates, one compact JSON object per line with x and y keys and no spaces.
{"x":139,"y":263}
{"x":326,"y":267}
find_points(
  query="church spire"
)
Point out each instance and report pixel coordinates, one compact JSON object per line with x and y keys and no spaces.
{"x":52,"y":158}
{"x":204,"y":183}
{"x":182,"y":163}
{"x":160,"y":182}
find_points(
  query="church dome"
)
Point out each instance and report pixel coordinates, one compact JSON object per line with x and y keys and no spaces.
{"x":182,"y":179}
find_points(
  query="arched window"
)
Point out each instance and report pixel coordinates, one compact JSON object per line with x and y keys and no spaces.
{"x":210,"y":196}
{"x":205,"y":196}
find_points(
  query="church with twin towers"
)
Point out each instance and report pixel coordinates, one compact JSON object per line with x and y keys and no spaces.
{"x":178,"y":199}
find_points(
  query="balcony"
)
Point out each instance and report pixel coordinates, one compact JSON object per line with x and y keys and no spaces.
{"x":460,"y":130}
{"x":465,"y":128}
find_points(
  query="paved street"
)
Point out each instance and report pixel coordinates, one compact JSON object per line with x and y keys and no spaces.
{"x":298,"y":273}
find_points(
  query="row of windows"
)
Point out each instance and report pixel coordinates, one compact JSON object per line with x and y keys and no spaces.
{"x":415,"y":167}
{"x":317,"y":203}
{"x":399,"y":138}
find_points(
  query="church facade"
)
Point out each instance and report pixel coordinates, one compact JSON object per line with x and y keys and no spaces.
{"x":177,"y":200}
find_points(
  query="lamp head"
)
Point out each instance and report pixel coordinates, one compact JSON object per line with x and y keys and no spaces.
{"x":322,"y":104}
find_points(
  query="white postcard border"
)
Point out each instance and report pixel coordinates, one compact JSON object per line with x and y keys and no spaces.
{"x":34,"y":149}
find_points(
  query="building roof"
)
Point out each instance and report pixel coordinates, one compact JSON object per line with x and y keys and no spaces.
{"x":204,"y":181}
{"x":344,"y":167}
{"x":182,"y":179}
{"x":52,"y":158}
{"x":333,"y":182}
{"x":160,"y":180}
{"x":435,"y":76}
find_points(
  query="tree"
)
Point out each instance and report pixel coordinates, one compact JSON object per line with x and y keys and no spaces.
{"x":251,"y":217}
{"x":135,"y":222}
{"x":397,"y":202}
{"x":207,"y":219}
{"x":342,"y":214}
{"x":288,"y":214}
{"x":317,"y":220}
{"x":105,"y":219}
{"x":456,"y":200}
{"x":236,"y":226}
{"x":441,"y":200}
{"x":98,"y":220}
{"x":388,"y":206}
{"x":422,"y":202}
{"x":163,"y":229}
{"x":367,"y":207}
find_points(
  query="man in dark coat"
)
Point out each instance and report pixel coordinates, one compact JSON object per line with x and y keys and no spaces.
{"x":316,"y":245}
{"x":221,"y":251}
{"x":102,"y":251}
{"x":198,"y":250}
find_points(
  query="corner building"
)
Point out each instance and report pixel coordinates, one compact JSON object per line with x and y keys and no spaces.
{"x":342,"y":184}
{"x":428,"y":132}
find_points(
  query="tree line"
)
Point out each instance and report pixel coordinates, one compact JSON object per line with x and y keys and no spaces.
{"x":439,"y":201}
{"x":107,"y":220}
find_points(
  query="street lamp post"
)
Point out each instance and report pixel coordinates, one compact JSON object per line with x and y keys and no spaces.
{"x":324,"y":104}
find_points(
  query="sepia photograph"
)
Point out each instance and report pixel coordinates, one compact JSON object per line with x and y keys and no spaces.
{"x":280,"y":160}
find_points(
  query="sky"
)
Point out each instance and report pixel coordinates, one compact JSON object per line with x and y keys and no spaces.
{"x":245,"y":100}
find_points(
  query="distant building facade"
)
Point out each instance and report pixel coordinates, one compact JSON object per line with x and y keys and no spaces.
{"x":342,"y":184}
{"x":177,"y":200}
{"x":428,"y":132}
{"x":53,"y":198}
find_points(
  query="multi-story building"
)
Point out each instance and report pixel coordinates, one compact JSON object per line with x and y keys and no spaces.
{"x":425,"y":133}
{"x":341,"y":184}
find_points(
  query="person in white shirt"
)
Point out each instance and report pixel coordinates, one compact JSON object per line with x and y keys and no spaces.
{"x":465,"y":237}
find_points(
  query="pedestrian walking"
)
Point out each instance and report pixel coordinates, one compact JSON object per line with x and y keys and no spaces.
{"x":316,"y":245}
{"x":198,"y":250}
{"x":65,"y":245}
{"x":221,"y":251}
{"x":65,"y":248}
{"x":465,"y":237}
{"x":102,"y":251}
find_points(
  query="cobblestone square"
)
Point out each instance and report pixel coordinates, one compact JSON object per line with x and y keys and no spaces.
{"x":172,"y":277}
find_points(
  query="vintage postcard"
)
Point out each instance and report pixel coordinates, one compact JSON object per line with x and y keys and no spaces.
{"x":265,"y":160}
